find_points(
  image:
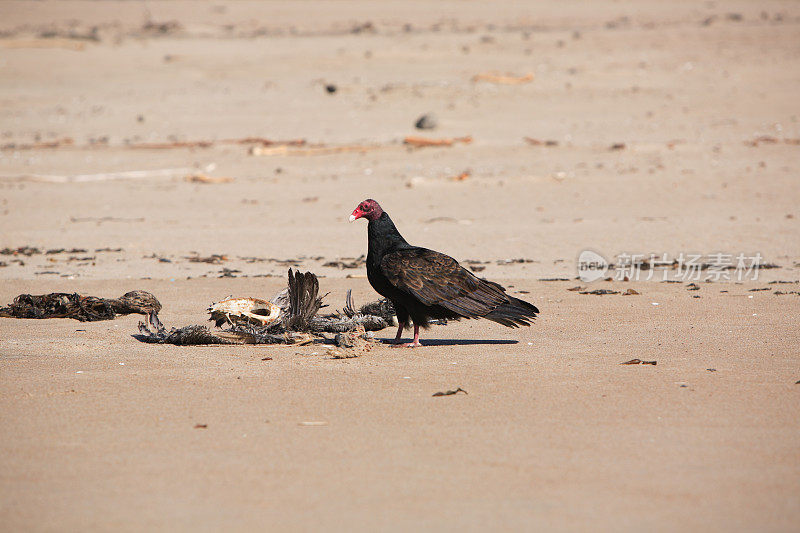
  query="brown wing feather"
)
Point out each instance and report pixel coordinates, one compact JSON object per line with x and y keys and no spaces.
{"x":437,"y":279}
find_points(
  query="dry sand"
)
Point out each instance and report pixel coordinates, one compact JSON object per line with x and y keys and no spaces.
{"x":98,"y":430}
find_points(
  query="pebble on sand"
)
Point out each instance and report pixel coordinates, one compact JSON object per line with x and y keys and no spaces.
{"x":427,"y":122}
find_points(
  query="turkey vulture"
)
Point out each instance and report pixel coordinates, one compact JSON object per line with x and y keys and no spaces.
{"x":424,"y":284}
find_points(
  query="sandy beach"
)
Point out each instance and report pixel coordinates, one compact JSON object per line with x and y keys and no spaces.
{"x":198,"y":150}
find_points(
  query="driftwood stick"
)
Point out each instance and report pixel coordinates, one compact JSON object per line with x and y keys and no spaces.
{"x":419,"y":142}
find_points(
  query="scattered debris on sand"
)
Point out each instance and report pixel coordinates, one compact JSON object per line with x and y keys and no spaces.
{"x":347,"y":262}
{"x":100,"y":220}
{"x":639,"y":362}
{"x":54,"y":251}
{"x":213,"y":259}
{"x":169,"y":173}
{"x":517,"y":260}
{"x":40,"y":145}
{"x":599,"y":292}
{"x":83,"y":308}
{"x":27,"y":251}
{"x":172,"y":144}
{"x":69,"y":142}
{"x":450,"y":392}
{"x":258,"y":146}
{"x":768,"y":139}
{"x":538,"y":142}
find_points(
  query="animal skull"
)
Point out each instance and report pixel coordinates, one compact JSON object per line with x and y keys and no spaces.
{"x":252,"y":310}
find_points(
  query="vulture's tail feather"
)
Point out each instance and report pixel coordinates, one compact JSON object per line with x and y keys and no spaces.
{"x":514,"y":313}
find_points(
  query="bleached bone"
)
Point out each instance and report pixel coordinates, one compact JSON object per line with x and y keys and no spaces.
{"x":251,"y":310}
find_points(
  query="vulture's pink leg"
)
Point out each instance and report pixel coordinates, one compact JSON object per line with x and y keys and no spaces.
{"x":415,"y":342}
{"x":399,"y":333}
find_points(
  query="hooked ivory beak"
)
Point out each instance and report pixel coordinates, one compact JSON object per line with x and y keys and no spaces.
{"x":356,"y":214}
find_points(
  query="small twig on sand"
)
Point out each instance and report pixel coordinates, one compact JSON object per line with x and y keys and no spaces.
{"x":203,"y":178}
{"x":639,"y":362}
{"x":504,"y":79}
{"x":419,"y":142}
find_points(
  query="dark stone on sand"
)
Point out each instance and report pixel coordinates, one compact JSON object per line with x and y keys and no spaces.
{"x":427,"y":122}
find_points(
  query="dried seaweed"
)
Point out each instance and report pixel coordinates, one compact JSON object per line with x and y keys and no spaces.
{"x":347,"y":262}
{"x":450,"y":392}
{"x":599,"y":292}
{"x":214,"y":259}
{"x":27,"y":251}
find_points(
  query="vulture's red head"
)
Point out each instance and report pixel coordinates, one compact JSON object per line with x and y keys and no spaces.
{"x":368,"y":209}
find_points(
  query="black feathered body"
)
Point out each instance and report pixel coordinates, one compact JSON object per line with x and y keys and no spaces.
{"x":424,"y":284}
